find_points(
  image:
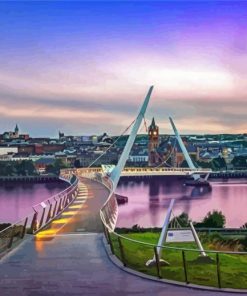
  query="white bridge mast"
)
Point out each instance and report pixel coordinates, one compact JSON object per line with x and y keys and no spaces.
{"x":116,"y":172}
{"x":184,"y":150}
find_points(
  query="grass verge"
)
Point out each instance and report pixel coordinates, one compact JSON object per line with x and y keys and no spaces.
{"x":233,"y":268}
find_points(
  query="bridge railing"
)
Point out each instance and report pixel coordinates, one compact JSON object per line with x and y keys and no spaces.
{"x":129,"y":171}
{"x":47,"y":210}
{"x":42,"y":214}
{"x":109,"y":210}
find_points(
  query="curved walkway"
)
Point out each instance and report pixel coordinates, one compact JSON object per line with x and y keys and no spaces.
{"x":76,"y":263}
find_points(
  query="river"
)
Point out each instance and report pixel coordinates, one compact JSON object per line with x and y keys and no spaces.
{"x":149,"y":198}
{"x":17,"y":198}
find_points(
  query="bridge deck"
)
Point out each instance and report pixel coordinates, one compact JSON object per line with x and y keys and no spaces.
{"x":75,"y":263}
{"x":87,"y":218}
{"x":82,"y":215}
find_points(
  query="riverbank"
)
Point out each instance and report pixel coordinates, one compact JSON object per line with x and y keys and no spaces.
{"x":228,"y":174}
{"x":36,"y":179}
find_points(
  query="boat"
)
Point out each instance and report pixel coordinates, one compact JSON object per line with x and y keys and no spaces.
{"x":121,"y":199}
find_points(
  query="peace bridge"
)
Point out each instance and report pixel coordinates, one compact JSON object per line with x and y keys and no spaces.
{"x":134,"y":171}
{"x":59,"y":249}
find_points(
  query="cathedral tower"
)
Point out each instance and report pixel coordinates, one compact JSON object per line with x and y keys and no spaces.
{"x":16,"y":132}
{"x":153,"y":143}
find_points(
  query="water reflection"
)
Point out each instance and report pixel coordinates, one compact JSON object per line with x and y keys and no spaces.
{"x":150,"y":197}
{"x":17,"y":198}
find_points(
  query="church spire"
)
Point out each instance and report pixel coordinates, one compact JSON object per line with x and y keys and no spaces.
{"x":153,"y":125}
{"x":16,"y":129}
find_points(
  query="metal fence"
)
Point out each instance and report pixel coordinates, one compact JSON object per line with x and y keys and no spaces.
{"x":40,"y":216}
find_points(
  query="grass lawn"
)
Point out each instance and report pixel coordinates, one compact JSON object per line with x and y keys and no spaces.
{"x":233,"y":268}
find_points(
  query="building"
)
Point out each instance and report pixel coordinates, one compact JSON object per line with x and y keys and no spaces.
{"x":172,"y":154}
{"x":153,"y":144}
{"x":138,"y":158}
{"x":42,"y":163}
{"x":12,"y":134}
{"x":4,"y":150}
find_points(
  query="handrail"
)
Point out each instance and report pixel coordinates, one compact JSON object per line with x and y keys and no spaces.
{"x":177,"y":248}
{"x":40,"y":217}
{"x":151,"y":169}
{"x":57,"y":194}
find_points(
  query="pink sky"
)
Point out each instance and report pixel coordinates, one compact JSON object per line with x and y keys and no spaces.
{"x":60,"y":71}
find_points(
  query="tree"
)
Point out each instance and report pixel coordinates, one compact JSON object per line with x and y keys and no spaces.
{"x":184,"y":164}
{"x":214,"y":219}
{"x":51,"y":169}
{"x":240,"y":161}
{"x":182,"y":219}
{"x":203,"y":164}
{"x":218,"y":163}
{"x":25,"y":168}
{"x":55,"y":167}
{"x":77,"y":163}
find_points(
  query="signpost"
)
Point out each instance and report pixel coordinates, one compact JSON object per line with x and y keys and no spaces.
{"x":176,"y":235}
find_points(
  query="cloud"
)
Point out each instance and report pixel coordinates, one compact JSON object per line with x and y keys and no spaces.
{"x":69,"y":79}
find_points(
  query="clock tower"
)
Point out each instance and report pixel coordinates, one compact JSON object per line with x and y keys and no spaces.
{"x":153,"y":143}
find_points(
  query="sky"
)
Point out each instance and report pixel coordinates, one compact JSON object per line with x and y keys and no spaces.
{"x":85,"y":67}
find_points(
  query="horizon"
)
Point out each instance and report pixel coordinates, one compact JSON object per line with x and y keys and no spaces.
{"x":117,"y":135}
{"x":85,"y":68}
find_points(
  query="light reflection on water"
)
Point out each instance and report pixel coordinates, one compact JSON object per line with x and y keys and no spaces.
{"x":149,"y":198}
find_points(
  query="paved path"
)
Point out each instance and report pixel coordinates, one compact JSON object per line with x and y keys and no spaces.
{"x":76,"y":264}
{"x":71,"y":265}
{"x":82,"y":215}
{"x":87,"y":218}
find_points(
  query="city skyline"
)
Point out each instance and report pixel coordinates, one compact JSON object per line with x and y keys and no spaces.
{"x":84,"y":68}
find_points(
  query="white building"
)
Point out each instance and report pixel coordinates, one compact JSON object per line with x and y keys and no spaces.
{"x":8,"y":150}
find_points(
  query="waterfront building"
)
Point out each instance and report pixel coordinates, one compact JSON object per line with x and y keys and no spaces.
{"x":42,"y":163}
{"x":8,"y":150}
{"x":179,"y":156}
{"x":138,"y":159}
